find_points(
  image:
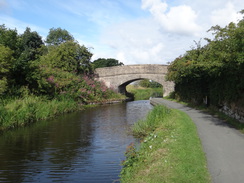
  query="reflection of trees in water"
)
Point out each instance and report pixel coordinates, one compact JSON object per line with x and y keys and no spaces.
{"x":57,"y":141}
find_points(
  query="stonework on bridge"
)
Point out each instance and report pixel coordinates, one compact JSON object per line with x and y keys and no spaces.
{"x":118,"y":77}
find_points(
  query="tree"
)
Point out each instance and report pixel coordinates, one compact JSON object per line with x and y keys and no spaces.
{"x":29,"y":48}
{"x":9,"y":38}
{"x":29,"y":45}
{"x":102,"y":62}
{"x":149,"y":84}
{"x":144,"y":83}
{"x":69,"y":56}
{"x":6,"y":60}
{"x":214,"y":70}
{"x":58,"y":36}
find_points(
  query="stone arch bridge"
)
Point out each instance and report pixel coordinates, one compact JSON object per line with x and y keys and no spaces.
{"x":118,"y":77}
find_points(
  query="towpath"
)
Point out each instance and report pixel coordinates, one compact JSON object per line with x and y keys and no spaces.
{"x":223,"y":145}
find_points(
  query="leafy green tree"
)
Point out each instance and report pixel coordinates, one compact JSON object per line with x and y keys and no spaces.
{"x":29,"y":48}
{"x":109,"y":62}
{"x":58,"y":36}
{"x":29,"y":45}
{"x":6,"y":60}
{"x":214,"y":70}
{"x":9,"y":38}
{"x":69,"y":56}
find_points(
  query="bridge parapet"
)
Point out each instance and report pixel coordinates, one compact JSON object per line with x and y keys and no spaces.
{"x":132,"y":69}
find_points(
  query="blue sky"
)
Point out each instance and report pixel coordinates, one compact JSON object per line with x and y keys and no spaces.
{"x":132,"y":31}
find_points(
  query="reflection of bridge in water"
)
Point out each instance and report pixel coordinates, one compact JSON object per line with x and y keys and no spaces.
{"x":119,"y":77}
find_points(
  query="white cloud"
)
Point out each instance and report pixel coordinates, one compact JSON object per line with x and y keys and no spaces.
{"x":159,"y":39}
{"x":121,"y":57}
{"x":215,"y":12}
{"x":155,"y":6}
{"x":135,"y":41}
{"x":179,"y":19}
{"x":224,"y":15}
{"x":142,"y":42}
{"x":169,"y":30}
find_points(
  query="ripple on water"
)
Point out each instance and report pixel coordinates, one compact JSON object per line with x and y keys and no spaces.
{"x":85,"y":146}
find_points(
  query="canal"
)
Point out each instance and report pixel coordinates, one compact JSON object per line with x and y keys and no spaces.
{"x":85,"y":146}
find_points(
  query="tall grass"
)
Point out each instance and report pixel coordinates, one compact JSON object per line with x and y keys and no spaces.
{"x":22,"y":111}
{"x":154,"y":118}
{"x":170,"y":152}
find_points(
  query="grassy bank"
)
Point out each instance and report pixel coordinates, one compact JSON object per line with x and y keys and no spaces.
{"x":16,"y":112}
{"x":142,"y":93}
{"x":170,"y":150}
{"x":21,"y":111}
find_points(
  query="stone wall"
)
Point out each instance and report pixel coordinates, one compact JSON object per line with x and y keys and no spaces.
{"x":233,"y":110}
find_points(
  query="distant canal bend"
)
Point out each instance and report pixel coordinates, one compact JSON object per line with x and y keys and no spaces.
{"x":85,"y":146}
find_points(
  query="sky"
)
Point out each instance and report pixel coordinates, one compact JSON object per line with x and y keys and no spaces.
{"x":131,"y":31}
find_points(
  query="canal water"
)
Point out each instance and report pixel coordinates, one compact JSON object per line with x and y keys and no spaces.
{"x":86,"y":146}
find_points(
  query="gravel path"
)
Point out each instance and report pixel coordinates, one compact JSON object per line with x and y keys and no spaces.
{"x":223,"y":145}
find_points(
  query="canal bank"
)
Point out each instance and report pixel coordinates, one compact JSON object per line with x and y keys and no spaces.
{"x":23,"y":111}
{"x":170,"y":150}
{"x":223,"y":145}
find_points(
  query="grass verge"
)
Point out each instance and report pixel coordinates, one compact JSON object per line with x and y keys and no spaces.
{"x":170,"y":150}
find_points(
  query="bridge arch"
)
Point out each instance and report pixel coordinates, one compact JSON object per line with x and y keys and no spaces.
{"x":118,"y":77}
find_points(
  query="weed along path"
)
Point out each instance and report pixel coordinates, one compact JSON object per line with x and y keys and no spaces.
{"x":223,"y":145}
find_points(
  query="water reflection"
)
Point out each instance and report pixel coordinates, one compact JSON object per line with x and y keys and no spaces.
{"x":85,"y":146}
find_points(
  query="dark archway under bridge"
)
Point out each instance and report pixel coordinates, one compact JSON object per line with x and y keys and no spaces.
{"x":118,"y":77}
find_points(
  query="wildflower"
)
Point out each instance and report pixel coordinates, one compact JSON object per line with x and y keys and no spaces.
{"x":150,"y":147}
{"x":50,"y":79}
{"x":93,"y":85}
